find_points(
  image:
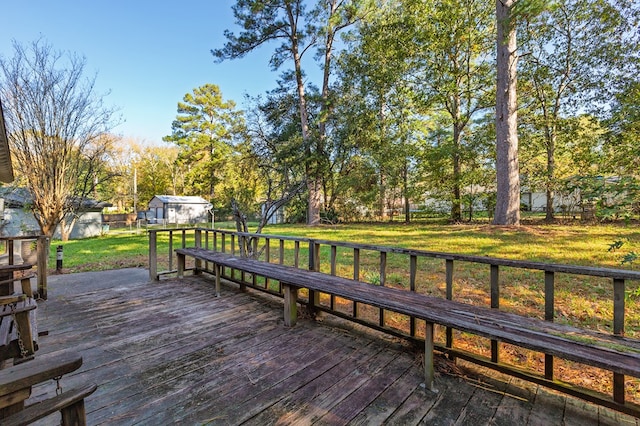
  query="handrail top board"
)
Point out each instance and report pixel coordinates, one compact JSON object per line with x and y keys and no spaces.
{"x":595,"y":271}
{"x":18,"y":267}
{"x":584,"y":346}
{"x":43,"y":367}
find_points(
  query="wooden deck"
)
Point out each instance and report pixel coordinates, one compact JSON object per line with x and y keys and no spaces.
{"x":170,"y":353}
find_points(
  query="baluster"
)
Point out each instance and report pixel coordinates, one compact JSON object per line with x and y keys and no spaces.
{"x":413,"y":267}
{"x":549,"y":314}
{"x":449,"y":296}
{"x":333,"y":272}
{"x":495,"y":304}
{"x":356,"y":276}
{"x":383,"y":280}
{"x":171,"y":250}
{"x":618,"y":330}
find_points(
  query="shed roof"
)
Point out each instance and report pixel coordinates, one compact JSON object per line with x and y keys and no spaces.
{"x":181,"y":199}
{"x":6,"y":169}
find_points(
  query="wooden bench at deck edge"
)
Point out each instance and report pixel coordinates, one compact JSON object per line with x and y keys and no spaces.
{"x":530,"y":333}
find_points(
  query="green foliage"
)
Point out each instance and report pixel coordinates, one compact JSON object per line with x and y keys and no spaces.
{"x":611,"y":197}
{"x":206,"y":131}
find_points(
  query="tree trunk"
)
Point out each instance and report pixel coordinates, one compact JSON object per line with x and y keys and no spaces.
{"x":551,"y":171}
{"x":507,"y":169}
{"x":405,"y":190}
{"x":314,"y":187}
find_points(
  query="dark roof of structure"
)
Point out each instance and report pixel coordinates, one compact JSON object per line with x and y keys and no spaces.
{"x":19,"y":197}
{"x":6,"y":169}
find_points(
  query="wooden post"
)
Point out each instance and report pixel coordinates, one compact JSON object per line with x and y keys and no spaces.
{"x":314,"y":297}
{"x":356,"y":276}
{"x":495,"y":304}
{"x":449,"y":295}
{"x":42,"y":248}
{"x":281,"y":252}
{"x":334,"y":254}
{"x":618,"y":330}
{"x":217,"y":269}
{"x":383,"y":279}
{"x":413,"y":268}
{"x":198,"y":238}
{"x":198,"y":244}
{"x":181,"y":264}
{"x":428,"y":357}
{"x":290,"y":304}
{"x":171,"y":250}
{"x":153,"y":256}
{"x":549,"y":314}
{"x":74,"y":414}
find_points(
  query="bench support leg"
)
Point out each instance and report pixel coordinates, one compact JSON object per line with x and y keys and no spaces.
{"x":290,"y":304}
{"x":74,"y":414}
{"x":428,"y":357}
{"x":218,"y":271}
{"x":181,"y":262}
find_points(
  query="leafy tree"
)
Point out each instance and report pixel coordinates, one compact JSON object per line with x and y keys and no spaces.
{"x":58,"y":130}
{"x":574,"y":56}
{"x":453,"y":72}
{"x":300,"y":31}
{"x":205,"y":131}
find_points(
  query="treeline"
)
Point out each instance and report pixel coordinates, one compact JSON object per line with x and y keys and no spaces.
{"x":404,"y":111}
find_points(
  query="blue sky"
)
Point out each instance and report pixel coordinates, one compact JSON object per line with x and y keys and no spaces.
{"x":148,"y":54}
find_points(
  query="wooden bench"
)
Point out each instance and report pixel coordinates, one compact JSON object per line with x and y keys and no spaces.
{"x":616,"y":354}
{"x":16,"y":383}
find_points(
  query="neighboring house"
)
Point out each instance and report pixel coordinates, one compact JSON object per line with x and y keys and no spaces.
{"x":19,"y":220}
{"x":562,"y":202}
{"x":178,"y":209}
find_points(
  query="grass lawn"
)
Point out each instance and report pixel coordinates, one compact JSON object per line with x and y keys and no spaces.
{"x":571,"y":244}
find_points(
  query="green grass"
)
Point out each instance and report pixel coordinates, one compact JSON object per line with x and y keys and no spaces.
{"x":579,"y":245}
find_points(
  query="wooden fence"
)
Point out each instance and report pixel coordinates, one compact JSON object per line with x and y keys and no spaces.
{"x":411,"y":269}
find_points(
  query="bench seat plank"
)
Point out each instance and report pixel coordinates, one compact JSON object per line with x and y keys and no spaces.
{"x":70,"y":403}
{"x":612,"y":353}
{"x":38,"y":370}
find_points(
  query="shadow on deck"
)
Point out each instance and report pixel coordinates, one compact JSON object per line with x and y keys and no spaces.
{"x":170,"y":352}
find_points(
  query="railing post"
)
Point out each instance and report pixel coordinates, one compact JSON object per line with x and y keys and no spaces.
{"x":495,"y":304}
{"x":314,"y":297}
{"x":413,"y":268}
{"x":356,"y":276}
{"x":618,"y":330}
{"x":171,"y":250}
{"x":42,"y":250}
{"x":549,"y":315}
{"x":449,"y":296}
{"x":153,"y":255}
{"x":334,"y":254}
{"x":198,"y":238}
{"x":383,"y":280}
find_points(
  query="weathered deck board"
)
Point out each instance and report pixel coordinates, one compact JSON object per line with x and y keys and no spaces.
{"x":170,"y":352}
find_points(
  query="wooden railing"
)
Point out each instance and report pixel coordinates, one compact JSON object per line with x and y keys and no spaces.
{"x":7,"y":248}
{"x":415,"y":268}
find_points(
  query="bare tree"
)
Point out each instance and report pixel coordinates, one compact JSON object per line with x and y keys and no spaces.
{"x":58,"y":130}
